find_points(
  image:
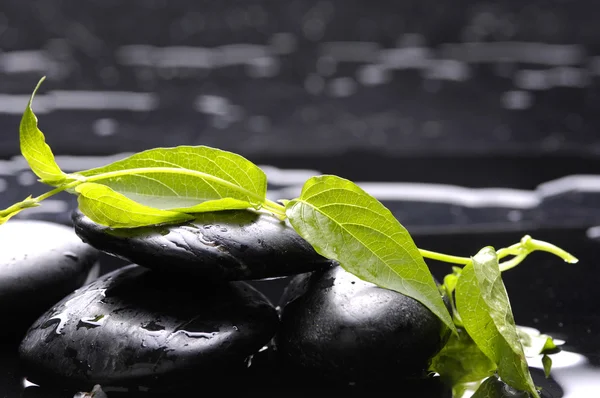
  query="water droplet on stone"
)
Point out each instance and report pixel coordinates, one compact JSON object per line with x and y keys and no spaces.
{"x":193,"y":335}
{"x":60,"y":320}
{"x":92,"y":321}
{"x":204,"y":240}
{"x":71,"y":255}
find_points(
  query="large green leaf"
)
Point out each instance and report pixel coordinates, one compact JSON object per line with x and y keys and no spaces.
{"x":107,"y":207}
{"x":35,"y":150}
{"x":184,"y":177}
{"x":485,"y":311}
{"x":344,"y":223}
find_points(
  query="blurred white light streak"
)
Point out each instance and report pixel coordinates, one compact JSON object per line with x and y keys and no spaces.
{"x":527,"y":52}
{"x":24,"y":61}
{"x":80,"y":100}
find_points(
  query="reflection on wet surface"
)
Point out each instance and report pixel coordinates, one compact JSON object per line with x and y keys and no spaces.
{"x":572,"y":377}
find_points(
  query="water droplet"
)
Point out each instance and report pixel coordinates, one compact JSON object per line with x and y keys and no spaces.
{"x":27,"y":383}
{"x":193,"y":335}
{"x":236,"y":328}
{"x":92,"y":322}
{"x":152,"y":326}
{"x":204,"y":240}
{"x":71,"y":255}
{"x":248,"y":360}
{"x":59,"y":319}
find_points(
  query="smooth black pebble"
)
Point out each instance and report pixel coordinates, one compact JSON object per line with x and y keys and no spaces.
{"x":137,"y":327}
{"x":40,"y":263}
{"x":339,"y":327}
{"x":226,"y":245}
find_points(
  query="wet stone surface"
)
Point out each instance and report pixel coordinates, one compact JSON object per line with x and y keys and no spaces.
{"x":40,"y":263}
{"x":136,"y":327}
{"x":338,"y":326}
{"x":227,"y":245}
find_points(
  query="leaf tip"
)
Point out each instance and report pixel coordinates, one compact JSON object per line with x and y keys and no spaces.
{"x":36,"y":89}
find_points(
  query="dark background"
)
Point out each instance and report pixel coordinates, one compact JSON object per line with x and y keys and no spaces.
{"x":289,"y":81}
{"x":478,"y":94}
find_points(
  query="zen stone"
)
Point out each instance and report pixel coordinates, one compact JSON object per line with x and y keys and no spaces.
{"x":40,"y":263}
{"x":137,"y":327}
{"x":343,"y":328}
{"x":226,"y":245}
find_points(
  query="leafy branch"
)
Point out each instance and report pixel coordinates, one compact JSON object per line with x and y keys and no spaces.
{"x":339,"y":219}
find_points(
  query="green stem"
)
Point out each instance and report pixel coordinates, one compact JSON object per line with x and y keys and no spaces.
{"x":444,"y":257}
{"x":274,"y":208}
{"x":56,"y":190}
{"x":513,"y":262}
{"x":533,"y":244}
{"x":513,"y":250}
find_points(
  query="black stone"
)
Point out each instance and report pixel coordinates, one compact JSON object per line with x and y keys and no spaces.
{"x":40,"y":263}
{"x":137,"y":327}
{"x":227,"y":245}
{"x":336,"y":326}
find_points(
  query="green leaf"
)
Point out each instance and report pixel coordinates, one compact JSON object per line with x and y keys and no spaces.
{"x":35,"y":150}
{"x":547,"y":363}
{"x":107,"y":207}
{"x":450,"y":281}
{"x":344,"y":223}
{"x":183,"y":177}
{"x":534,"y":343}
{"x":485,"y":310}
{"x":494,"y":388}
{"x":461,"y":361}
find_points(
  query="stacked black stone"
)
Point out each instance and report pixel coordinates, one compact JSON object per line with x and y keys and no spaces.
{"x":184,"y":310}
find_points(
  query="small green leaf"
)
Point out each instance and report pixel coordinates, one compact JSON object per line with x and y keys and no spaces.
{"x":450,"y":280}
{"x":461,"y":361}
{"x":15,"y":209}
{"x":534,"y":343}
{"x":35,"y":150}
{"x":344,"y":223}
{"x":107,"y":207}
{"x":547,"y":363}
{"x":183,"y":177}
{"x":494,"y":388}
{"x":485,"y":310}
